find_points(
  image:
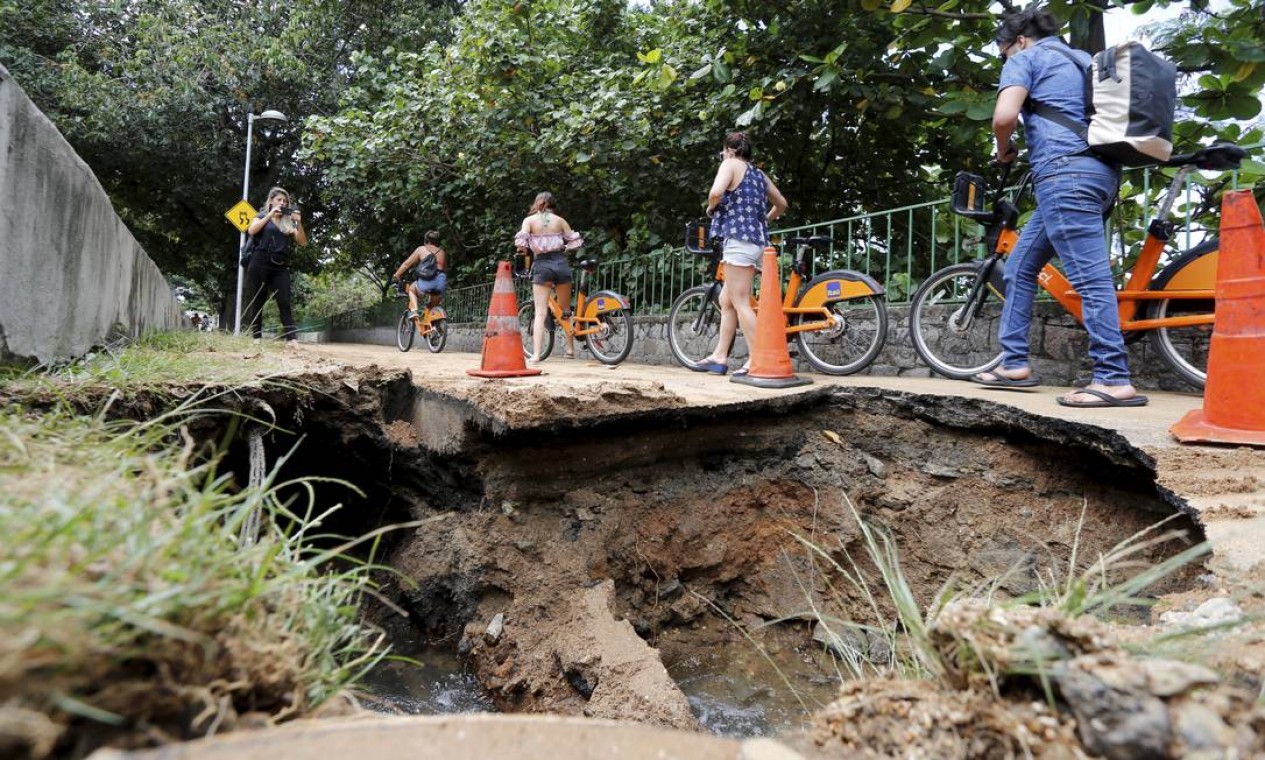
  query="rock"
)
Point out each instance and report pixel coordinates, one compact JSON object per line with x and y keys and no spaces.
{"x":507,"y":508}
{"x":583,"y":514}
{"x":1113,"y":723}
{"x":1168,"y":678}
{"x":880,"y":648}
{"x":469,"y":638}
{"x":842,"y":639}
{"x":942,"y":470}
{"x":875,"y":466}
{"x":1200,"y":729}
{"x":1216,"y":611}
{"x":493,"y":633}
{"x":1038,"y":644}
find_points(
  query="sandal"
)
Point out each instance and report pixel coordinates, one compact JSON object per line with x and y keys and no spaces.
{"x":1100,"y":400}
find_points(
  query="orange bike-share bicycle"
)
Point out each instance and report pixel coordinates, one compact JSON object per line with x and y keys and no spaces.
{"x":953,"y":316}
{"x":602,"y":321}
{"x":429,"y":322}
{"x":838,"y":318}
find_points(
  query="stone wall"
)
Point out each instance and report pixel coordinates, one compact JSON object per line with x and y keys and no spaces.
{"x":1059,"y":347}
{"x":73,"y":275}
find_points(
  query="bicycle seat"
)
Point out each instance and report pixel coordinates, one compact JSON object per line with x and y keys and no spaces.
{"x":816,"y":241}
{"x":588,"y":264}
{"x":1218,"y":158}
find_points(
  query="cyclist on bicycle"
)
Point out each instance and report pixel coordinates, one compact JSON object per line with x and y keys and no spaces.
{"x":742,"y":202}
{"x":1074,"y":190}
{"x":548,"y":237}
{"x":428,"y":262}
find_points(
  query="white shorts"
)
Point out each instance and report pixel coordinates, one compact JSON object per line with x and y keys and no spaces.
{"x":743,"y":253}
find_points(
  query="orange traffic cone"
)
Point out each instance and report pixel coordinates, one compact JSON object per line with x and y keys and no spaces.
{"x":770,"y":358}
{"x":1234,"y":404}
{"x":502,"y":344}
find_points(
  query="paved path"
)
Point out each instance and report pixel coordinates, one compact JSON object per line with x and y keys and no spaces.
{"x":1223,"y":486}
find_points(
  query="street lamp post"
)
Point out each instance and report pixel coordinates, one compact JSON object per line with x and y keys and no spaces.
{"x":251,"y":118}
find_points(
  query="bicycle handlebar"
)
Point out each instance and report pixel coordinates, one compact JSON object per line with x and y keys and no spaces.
{"x":1219,"y":157}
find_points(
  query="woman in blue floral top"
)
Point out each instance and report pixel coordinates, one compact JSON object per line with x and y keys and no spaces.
{"x":742,"y":202}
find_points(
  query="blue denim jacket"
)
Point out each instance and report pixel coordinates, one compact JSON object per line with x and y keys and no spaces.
{"x":1054,"y":80}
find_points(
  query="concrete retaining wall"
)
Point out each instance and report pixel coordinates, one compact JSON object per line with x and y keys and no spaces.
{"x":72,"y":274}
{"x":1059,"y":347}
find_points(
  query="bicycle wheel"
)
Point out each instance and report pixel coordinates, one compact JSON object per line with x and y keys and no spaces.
{"x":952,"y":336}
{"x":527,"y":326}
{"x":404,"y":333}
{"x":693,"y":324}
{"x":1185,"y":349}
{"x":856,"y":337}
{"x":613,"y":344}
{"x":438,"y":336}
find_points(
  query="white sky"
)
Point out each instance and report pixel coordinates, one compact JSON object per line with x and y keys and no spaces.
{"x":1120,"y":23}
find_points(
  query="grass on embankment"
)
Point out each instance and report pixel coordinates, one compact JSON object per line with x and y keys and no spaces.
{"x":171,"y":359}
{"x":130,"y":612}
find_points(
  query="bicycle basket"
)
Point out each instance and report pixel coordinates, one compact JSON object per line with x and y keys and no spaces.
{"x":969,"y":195}
{"x":696,"y":239}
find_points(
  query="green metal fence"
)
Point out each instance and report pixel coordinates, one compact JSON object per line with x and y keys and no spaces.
{"x":898,"y":247}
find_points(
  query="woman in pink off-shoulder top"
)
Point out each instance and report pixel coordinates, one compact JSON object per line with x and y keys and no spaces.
{"x":548,"y":237}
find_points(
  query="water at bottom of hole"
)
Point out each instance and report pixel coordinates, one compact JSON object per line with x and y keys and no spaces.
{"x":436,"y":684}
{"x":735,"y":691}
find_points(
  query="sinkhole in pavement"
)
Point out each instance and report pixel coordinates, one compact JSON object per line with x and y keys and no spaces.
{"x":675,"y":569}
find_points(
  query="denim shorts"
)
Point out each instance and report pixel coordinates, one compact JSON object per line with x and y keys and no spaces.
{"x":551,"y":268}
{"x":743,"y":253}
{"x":438,"y":283}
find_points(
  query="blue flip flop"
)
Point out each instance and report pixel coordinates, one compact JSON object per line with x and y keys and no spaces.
{"x":716,"y":368}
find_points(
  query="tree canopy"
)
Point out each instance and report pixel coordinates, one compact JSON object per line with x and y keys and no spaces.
{"x":451,"y":115}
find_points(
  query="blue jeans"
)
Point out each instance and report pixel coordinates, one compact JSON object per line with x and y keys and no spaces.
{"x":1073,"y":193}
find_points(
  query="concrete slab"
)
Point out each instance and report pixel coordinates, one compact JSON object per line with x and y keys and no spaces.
{"x":453,"y":737}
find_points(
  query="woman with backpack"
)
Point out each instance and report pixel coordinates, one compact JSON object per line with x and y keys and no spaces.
{"x":268,"y":272}
{"x":428,"y":262}
{"x":1074,"y":190}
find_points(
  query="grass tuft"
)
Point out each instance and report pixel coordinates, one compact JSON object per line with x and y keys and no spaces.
{"x":129,"y":610}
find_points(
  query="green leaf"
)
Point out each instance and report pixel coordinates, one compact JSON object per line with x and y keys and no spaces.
{"x":825,"y":80}
{"x":652,"y":57}
{"x":899,"y":6}
{"x":667,"y":75}
{"x":751,"y":114}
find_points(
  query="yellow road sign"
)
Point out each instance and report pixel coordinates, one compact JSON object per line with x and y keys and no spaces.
{"x":241,"y":215}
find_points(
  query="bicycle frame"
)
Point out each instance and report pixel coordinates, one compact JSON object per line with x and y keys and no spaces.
{"x":841,"y":286}
{"x":1197,"y":282}
{"x":585,"y":320}
{"x":425,"y":319}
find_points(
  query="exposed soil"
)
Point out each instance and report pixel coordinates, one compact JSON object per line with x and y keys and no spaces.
{"x":566,"y":542}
